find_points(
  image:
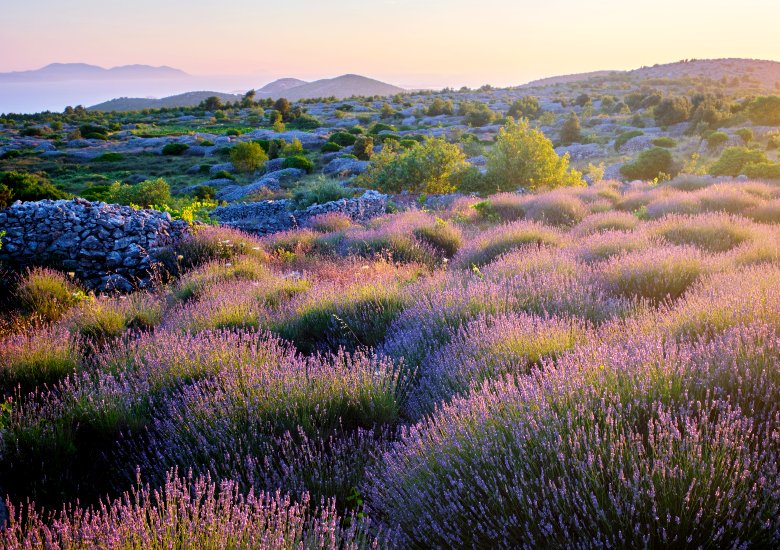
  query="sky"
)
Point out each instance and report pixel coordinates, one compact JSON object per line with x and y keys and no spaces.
{"x":412,"y":43}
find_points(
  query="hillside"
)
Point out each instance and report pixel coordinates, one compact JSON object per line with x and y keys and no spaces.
{"x":764,"y":74}
{"x":342,"y":86}
{"x":187,"y":99}
{"x":280,"y":85}
{"x":291,"y":88}
{"x":57,"y":72}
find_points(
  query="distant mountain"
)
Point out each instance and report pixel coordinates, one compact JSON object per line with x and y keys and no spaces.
{"x":278,"y":86}
{"x":341,"y":87}
{"x":291,"y":88}
{"x":189,"y":99}
{"x":568,"y":78}
{"x":58,"y":72}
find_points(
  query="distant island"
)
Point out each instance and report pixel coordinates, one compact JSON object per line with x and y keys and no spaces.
{"x":341,"y":87}
{"x":58,"y":72}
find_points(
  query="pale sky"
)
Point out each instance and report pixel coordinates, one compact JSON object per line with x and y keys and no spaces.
{"x":406,"y":42}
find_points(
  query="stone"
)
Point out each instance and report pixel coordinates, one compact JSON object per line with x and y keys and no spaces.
{"x":345,"y":167}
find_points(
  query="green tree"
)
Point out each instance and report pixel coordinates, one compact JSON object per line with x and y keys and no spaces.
{"x":211,"y":103}
{"x":147,"y":193}
{"x":282,"y":105}
{"x":429,"y":167}
{"x":249,"y":99}
{"x":734,"y":159}
{"x":765,"y":110}
{"x":440,"y":107}
{"x":248,"y":156}
{"x":524,"y":157}
{"x":673,"y":110}
{"x":363,"y":147}
{"x":525,"y":107}
{"x":571,"y":131}
{"x":387,"y":111}
{"x":26,"y":187}
{"x":649,"y":164}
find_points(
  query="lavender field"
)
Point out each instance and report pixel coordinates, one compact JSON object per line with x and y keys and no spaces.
{"x":586,"y":367}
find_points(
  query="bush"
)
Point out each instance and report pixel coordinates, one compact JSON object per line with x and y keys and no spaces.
{"x":673,"y":110}
{"x":746,"y":134}
{"x":733,"y":160}
{"x":363,"y":147}
{"x":174,"y":149}
{"x":649,"y":164}
{"x":109,"y":157}
{"x":248,"y":156}
{"x":525,"y":107}
{"x":493,"y":243}
{"x":664,"y":141}
{"x":710,"y":232}
{"x":427,"y":168}
{"x":30,"y":360}
{"x":47,"y":294}
{"x":26,"y":187}
{"x":205,"y":192}
{"x":716,"y":139}
{"x":472,"y":180}
{"x":322,"y":190}
{"x":440,"y":107}
{"x":762,"y":170}
{"x":625,"y":136}
{"x":330,"y":147}
{"x":571,"y":132}
{"x":507,"y":207}
{"x":299,"y":162}
{"x":330,"y":222}
{"x":381,"y":127}
{"x":306,"y":122}
{"x":442,"y":236}
{"x":342,"y":138}
{"x":765,"y":111}
{"x":524,"y":157}
{"x":146,"y":194}
{"x":556,"y":208}
{"x":476,"y":114}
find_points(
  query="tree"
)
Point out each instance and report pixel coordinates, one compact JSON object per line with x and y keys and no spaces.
{"x":148,"y":193}
{"x":571,"y":131}
{"x":765,"y":110}
{"x":387,"y":111}
{"x":429,"y":167}
{"x":248,"y":156}
{"x":363,"y":147}
{"x":673,"y":110}
{"x":211,"y":103}
{"x":650,"y":164}
{"x":582,"y":100}
{"x":26,"y":187}
{"x":525,"y":107}
{"x":524,"y":157}
{"x":282,"y":105}
{"x":249,"y":99}
{"x":476,"y":114}
{"x":440,"y":107}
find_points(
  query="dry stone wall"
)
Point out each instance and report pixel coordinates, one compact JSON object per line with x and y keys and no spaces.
{"x":107,"y":246}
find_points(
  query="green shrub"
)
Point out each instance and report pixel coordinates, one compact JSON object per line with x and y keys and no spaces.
{"x":97,"y":193}
{"x":762,"y":170}
{"x":746,"y":134}
{"x":330,"y":147}
{"x":427,"y":168}
{"x":765,"y":111}
{"x":205,"y":192}
{"x":27,"y":187}
{"x":525,"y":107}
{"x":109,"y":157}
{"x":382,"y":127}
{"x":147,"y":193}
{"x":174,"y":149}
{"x":476,"y":114}
{"x":47,"y":294}
{"x":233,"y":132}
{"x":440,"y":107}
{"x":322,"y":190}
{"x":571,"y":131}
{"x":442,"y":236}
{"x":625,"y":136}
{"x":524,"y":157}
{"x":649,"y":164}
{"x":223,"y":175}
{"x":363,"y":147}
{"x":92,"y":131}
{"x":733,"y":160}
{"x":673,"y":110}
{"x":471,"y":180}
{"x":773,"y":142}
{"x":342,"y":138}
{"x":716,"y":139}
{"x":300,"y":162}
{"x":248,"y":156}
{"x":664,"y":141}
{"x":306,"y":122}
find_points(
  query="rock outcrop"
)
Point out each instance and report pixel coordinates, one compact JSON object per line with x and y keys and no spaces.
{"x":107,"y":246}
